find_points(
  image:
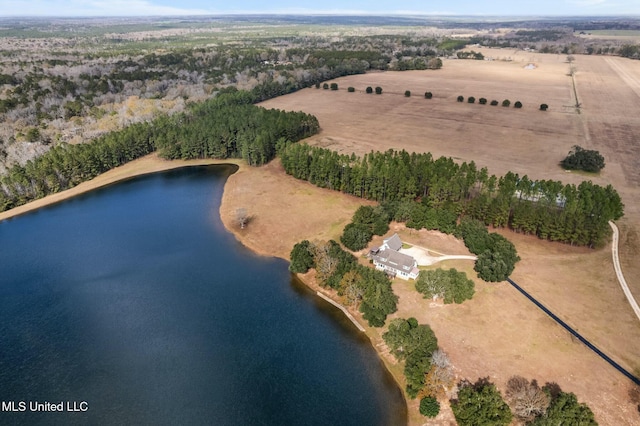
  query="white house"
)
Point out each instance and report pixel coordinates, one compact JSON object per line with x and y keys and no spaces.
{"x":389,"y":259}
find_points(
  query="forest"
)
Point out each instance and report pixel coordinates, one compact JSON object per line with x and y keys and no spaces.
{"x":551,"y":210}
{"x":65,"y":84}
{"x":61,"y":82}
{"x":227,"y":126}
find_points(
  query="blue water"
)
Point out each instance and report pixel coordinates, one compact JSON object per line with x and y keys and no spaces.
{"x":135,"y":300}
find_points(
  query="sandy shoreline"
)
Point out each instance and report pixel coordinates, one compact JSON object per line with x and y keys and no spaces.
{"x":142,"y":166}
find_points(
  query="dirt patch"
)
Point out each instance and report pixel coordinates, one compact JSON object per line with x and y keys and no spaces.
{"x":283,"y":210}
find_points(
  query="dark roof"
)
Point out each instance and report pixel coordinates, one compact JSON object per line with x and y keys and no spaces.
{"x":399,"y":261}
{"x":394,"y":242}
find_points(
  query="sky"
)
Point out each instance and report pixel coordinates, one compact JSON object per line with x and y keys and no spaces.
{"x":369,"y":7}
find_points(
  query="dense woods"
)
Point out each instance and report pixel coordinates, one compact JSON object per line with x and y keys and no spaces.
{"x":228,"y":126}
{"x":576,"y":215}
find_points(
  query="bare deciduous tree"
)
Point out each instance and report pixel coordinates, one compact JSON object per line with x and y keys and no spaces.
{"x":325,"y":263}
{"x":439,"y":379}
{"x":526,"y":398}
{"x":242,"y":218}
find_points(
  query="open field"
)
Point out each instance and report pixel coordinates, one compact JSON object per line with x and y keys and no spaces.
{"x":499,"y":333}
{"x":625,"y":36}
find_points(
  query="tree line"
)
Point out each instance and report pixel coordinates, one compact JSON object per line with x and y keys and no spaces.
{"x":481,"y":403}
{"x":228,"y":126}
{"x":576,"y":215}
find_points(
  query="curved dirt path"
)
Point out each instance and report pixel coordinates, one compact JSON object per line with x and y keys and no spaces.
{"x":422,"y":256}
{"x":616,"y":265}
{"x":618,"y":66}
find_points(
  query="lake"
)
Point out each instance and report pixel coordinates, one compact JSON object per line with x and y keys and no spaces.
{"x":133,"y":305}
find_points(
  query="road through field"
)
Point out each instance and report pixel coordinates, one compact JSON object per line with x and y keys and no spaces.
{"x":616,"y":265}
{"x":628,"y":78}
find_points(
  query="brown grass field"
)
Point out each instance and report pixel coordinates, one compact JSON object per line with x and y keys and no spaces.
{"x":500,"y":333}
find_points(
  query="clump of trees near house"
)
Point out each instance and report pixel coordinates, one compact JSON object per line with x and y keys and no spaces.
{"x":470,"y":55}
{"x":497,"y":256}
{"x":450,"y":285}
{"x":365,"y":288}
{"x":367,"y":221}
{"x":587,"y":160}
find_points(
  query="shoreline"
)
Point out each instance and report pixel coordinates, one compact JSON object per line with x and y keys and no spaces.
{"x":148,"y":164}
{"x":152,"y":163}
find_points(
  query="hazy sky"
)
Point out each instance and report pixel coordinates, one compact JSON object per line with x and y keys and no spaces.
{"x":193,"y":7}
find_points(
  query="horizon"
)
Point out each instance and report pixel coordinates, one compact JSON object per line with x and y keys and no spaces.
{"x":399,"y":8}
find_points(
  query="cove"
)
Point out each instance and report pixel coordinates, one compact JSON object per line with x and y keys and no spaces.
{"x":136,"y":300}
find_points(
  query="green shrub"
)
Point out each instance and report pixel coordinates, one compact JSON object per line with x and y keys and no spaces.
{"x":482,"y":101}
{"x":428,"y":95}
{"x":518,"y":104}
{"x":471,"y":100}
{"x":429,"y":407}
{"x":356,"y":236}
{"x":460,"y":98}
{"x":506,"y":103}
{"x":334,"y":86}
{"x":480,"y":404}
{"x":301,"y":258}
{"x":583,"y":159}
{"x":494,"y":102}
{"x":369,"y":90}
{"x":544,"y":107}
{"x":378,"y":90}
{"x":407,"y":93}
{"x":351,"y":89}
{"x":325,"y":86}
